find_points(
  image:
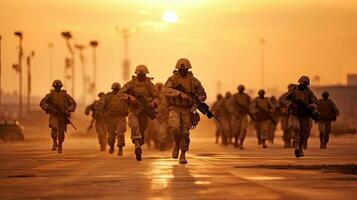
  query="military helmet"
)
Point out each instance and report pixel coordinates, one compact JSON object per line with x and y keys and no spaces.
{"x":219,"y":96}
{"x":141,"y":69}
{"x":325,"y":94}
{"x":100,"y":94}
{"x":304,"y":80}
{"x":116,"y":85}
{"x":183,"y":63}
{"x":228,"y":94}
{"x":261,"y":92}
{"x":57,"y":83}
{"x":241,"y":87}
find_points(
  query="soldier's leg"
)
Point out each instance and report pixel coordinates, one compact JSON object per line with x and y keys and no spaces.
{"x":235,"y":131}
{"x":111,"y":134}
{"x":264,"y":130}
{"x":328,"y":131}
{"x":174,"y":129}
{"x":186,"y":122}
{"x":136,"y":136}
{"x":120,"y":130}
{"x":101,"y":133}
{"x":294,"y":127}
{"x":243,"y":131}
{"x":322,"y":130}
{"x":54,"y":136}
{"x":61,"y":136}
{"x":143,"y":125}
{"x":307,"y":130}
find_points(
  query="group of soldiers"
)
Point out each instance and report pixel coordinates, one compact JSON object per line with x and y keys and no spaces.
{"x":168,"y":111}
{"x":296,"y":110}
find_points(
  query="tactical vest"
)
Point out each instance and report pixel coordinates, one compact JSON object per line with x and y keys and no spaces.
{"x":301,"y":96}
{"x":142,"y":88}
{"x":242,"y":103}
{"x":263,"y":104}
{"x":187,"y":83}
{"x":326,"y":110}
{"x":118,"y":104}
{"x":59,"y":99}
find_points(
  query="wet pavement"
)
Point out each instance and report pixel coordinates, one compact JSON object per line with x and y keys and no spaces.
{"x":29,"y":170}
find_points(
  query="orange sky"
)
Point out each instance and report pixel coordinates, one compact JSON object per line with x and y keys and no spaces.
{"x":220,"y":37}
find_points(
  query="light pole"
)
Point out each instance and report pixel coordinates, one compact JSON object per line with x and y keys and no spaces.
{"x":18,"y":68}
{"x":94,"y":45}
{"x":262,"y":45}
{"x":80,"y":48}
{"x":67,"y":36}
{"x":28,"y":59}
{"x":50,"y":56}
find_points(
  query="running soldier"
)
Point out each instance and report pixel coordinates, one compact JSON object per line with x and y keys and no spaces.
{"x":239,"y":107}
{"x":58,"y":104}
{"x":141,"y":93}
{"x":183,"y":115}
{"x":329,"y":113}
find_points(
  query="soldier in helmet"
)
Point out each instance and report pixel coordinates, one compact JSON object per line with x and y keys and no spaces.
{"x":98,"y":118}
{"x":300,"y":122}
{"x":139,"y":88}
{"x":58,"y":104}
{"x":262,"y":109}
{"x":115,"y":106}
{"x":329,"y":113}
{"x":216,"y":111}
{"x":239,"y":107}
{"x":183,"y":115}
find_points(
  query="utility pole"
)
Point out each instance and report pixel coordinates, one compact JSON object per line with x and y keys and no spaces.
{"x":84,"y":76}
{"x":67,"y":36}
{"x":18,"y":68}
{"x":94,"y":45}
{"x":262,"y":45}
{"x":0,"y":77}
{"x":50,"y":56}
{"x":28,"y":59}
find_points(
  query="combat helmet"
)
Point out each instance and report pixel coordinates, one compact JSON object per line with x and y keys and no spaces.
{"x":183,"y":63}
{"x":241,"y":87}
{"x":57,"y":83}
{"x":141,"y":69}
{"x":261,"y":92}
{"x":304,"y":80}
{"x":325,"y":94}
{"x":100,"y":94}
{"x":116,"y":85}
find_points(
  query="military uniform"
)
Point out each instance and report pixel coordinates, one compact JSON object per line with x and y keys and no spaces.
{"x":138,"y":117}
{"x":239,"y":107}
{"x":300,"y":122}
{"x":182,"y":117}
{"x":261,"y":107}
{"x":216,"y":111}
{"x":58,"y":104}
{"x":114,"y":105}
{"x":276,"y":116}
{"x":328,"y":112}
{"x":98,"y":117}
{"x":224,"y":115}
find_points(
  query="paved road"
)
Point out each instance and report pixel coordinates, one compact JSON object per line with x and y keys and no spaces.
{"x":28,"y":170}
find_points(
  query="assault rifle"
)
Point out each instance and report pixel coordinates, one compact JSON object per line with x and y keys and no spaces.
{"x":59,"y":112}
{"x":304,"y":107}
{"x":200,"y":105}
{"x":147,"y":108}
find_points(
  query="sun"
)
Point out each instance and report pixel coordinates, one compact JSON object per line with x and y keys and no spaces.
{"x":169,"y":16}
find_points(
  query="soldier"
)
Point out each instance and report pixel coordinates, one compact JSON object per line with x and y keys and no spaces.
{"x":225,"y":117}
{"x":276,"y":116}
{"x":262,"y":109}
{"x":115,"y":106}
{"x":58,"y":104}
{"x":329,"y":113}
{"x":239,"y":107}
{"x":98,"y":118}
{"x":141,"y":93}
{"x":284,"y":119}
{"x":228,"y":117}
{"x":183,"y":116}
{"x":302,"y":105}
{"x":215,"y":110}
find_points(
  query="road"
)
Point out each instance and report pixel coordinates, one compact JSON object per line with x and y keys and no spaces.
{"x":29,"y":170}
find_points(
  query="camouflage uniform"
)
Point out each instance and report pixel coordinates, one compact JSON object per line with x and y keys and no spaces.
{"x":138,"y":117}
{"x":329,"y":112}
{"x":299,"y":122}
{"x":115,"y":106}
{"x":98,"y":118}
{"x":53,"y":103}
{"x":261,"y":107}
{"x":276,"y":116}
{"x":216,"y":111}
{"x":224,"y":115}
{"x":182,"y":117}
{"x":239,"y":107}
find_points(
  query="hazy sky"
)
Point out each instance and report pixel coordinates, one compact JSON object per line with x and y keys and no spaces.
{"x":220,"y":37}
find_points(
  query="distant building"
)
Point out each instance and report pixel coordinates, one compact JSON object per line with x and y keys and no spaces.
{"x":352,"y":79}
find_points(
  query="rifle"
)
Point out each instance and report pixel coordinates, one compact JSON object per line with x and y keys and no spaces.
{"x":147,"y":108}
{"x":91,"y":125}
{"x":200,"y":105}
{"x":304,"y":107}
{"x":266,"y":113}
{"x":60,"y":113}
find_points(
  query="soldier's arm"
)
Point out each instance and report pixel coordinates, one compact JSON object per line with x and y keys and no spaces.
{"x":71,"y":104}
{"x":44,"y":104}
{"x":89,"y":108}
{"x":313,"y":101}
{"x":199,"y":90}
{"x":335,"y":109}
{"x":170,"y":91}
{"x":127,"y":88}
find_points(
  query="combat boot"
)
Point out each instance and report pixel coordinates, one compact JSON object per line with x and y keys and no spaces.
{"x":301,"y":152}
{"x":59,"y":148}
{"x":54,"y":146}
{"x":183,"y":157}
{"x":137,"y":150}
{"x":111,"y":149}
{"x":297,"y":150}
{"x":175,"y":151}
{"x":120,"y":151}
{"x":264,"y":144}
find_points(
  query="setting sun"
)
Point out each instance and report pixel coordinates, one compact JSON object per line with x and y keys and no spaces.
{"x":169,"y":16}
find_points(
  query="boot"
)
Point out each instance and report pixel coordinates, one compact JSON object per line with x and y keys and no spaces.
{"x":111,"y":149}
{"x":236,"y":142}
{"x":175,"y":151}
{"x":137,"y":150}
{"x":59,"y":148}
{"x":183,"y":157}
{"x":297,"y":150}
{"x":54,"y":146}
{"x":264,"y":144}
{"x":301,"y":152}
{"x":241,"y":145}
{"x":120,"y":151}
